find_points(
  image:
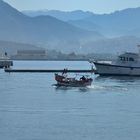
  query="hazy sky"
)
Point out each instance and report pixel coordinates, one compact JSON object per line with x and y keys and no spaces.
{"x":96,"y":6}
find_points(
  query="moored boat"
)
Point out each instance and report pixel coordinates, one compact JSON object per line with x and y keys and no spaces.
{"x":5,"y":62}
{"x":127,"y":64}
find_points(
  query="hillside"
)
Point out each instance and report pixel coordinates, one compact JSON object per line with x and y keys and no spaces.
{"x":62,"y":15}
{"x":118,"y":23}
{"x":124,"y":22}
{"x":113,"y":45}
{"x":45,"y":30}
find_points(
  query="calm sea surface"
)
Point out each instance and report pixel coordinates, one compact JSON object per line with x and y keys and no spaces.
{"x":31,"y":108}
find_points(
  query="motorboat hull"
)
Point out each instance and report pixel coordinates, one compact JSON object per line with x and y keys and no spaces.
{"x":72,"y":82}
{"x":106,"y":69}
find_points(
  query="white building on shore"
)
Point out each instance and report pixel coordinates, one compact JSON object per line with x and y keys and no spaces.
{"x":30,"y":55}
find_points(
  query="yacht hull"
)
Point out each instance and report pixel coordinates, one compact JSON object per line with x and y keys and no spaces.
{"x":106,"y":69}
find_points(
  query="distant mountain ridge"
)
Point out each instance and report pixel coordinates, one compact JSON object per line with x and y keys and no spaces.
{"x":43,"y":30}
{"x":62,"y":15}
{"x":118,"y":23}
{"x":124,"y":22}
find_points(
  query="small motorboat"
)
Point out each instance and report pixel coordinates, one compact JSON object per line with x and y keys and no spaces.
{"x":63,"y":80}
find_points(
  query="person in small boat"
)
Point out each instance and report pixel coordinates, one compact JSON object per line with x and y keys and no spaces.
{"x":83,"y":78}
{"x":64,"y":73}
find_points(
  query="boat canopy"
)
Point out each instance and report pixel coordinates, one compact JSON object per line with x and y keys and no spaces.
{"x":128,"y":57}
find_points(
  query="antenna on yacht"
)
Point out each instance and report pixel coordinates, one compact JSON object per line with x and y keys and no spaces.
{"x":139,"y":49}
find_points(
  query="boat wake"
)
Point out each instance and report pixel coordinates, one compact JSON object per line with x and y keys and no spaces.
{"x":108,"y":87}
{"x":95,"y":87}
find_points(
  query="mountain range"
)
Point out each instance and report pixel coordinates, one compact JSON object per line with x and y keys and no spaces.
{"x":76,"y":31}
{"x":43,"y":30}
{"x":62,"y":15}
{"x":125,"y":22}
{"x":118,"y":23}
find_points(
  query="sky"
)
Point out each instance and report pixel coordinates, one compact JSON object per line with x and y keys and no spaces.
{"x":96,"y":6}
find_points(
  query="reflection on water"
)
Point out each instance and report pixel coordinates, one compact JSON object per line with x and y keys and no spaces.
{"x":65,"y":88}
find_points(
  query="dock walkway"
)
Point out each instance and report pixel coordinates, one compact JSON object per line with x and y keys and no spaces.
{"x":47,"y":70}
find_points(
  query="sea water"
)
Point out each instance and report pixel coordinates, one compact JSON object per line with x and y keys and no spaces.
{"x":31,"y":108}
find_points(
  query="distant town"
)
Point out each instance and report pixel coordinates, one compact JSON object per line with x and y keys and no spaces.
{"x":54,"y":55}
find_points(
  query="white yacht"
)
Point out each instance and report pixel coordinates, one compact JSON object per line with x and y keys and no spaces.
{"x":127,"y":64}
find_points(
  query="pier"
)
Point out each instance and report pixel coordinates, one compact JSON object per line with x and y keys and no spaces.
{"x":48,"y":70}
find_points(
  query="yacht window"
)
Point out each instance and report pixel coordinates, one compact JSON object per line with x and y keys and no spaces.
{"x":123,"y":58}
{"x":131,"y":59}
